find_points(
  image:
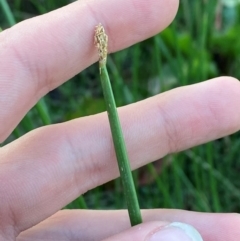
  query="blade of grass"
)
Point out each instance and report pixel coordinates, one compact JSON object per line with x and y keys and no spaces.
{"x":188,"y":15}
{"x":7,"y":12}
{"x":135,"y":71}
{"x":162,"y":186}
{"x":166,"y":53}
{"x":211,"y":9}
{"x":200,"y":151}
{"x":97,"y":197}
{"x":117,"y":196}
{"x":81,"y":202}
{"x":203,"y":40}
{"x":197,"y":175}
{"x":176,"y":165}
{"x":213,"y":181}
{"x":218,"y":175}
{"x":125,"y":96}
{"x":234,"y":151}
{"x":16,"y":133}
{"x":158,"y":62}
{"x":43,"y":112}
{"x":27,"y":123}
{"x":201,"y":198}
{"x":180,"y":60}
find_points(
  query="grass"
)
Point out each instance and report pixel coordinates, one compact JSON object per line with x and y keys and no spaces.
{"x":192,"y":49}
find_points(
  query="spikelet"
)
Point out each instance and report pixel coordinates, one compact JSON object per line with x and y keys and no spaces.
{"x":101,"y":42}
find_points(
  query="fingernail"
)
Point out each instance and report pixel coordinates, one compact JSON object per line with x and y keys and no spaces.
{"x":176,"y":232}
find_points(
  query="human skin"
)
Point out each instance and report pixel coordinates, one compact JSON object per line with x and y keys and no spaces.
{"x":49,"y":167}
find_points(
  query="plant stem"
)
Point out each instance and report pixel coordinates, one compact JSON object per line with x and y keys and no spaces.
{"x":158,"y":62}
{"x":43,"y":112}
{"x":120,"y":149}
{"x":213,"y":182}
{"x":81,"y":203}
{"x":101,"y":41}
{"x":163,"y":187}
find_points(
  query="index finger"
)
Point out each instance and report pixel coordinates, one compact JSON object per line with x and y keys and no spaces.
{"x":39,"y":54}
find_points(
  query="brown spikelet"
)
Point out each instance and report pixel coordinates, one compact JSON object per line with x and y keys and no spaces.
{"x":101,"y":42}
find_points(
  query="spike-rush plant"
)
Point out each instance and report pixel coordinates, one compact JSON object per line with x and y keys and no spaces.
{"x":101,"y":42}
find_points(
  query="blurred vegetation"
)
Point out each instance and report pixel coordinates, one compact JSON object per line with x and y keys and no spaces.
{"x":203,"y":42}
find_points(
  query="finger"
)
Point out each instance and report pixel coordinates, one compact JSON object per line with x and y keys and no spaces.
{"x":158,"y":232}
{"x":39,"y":54}
{"x":97,"y":225}
{"x":68,"y":159}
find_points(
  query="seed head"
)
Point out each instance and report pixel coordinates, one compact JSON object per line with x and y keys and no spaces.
{"x":101,"y":42}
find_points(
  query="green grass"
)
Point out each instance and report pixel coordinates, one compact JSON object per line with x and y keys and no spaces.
{"x":191,"y":50}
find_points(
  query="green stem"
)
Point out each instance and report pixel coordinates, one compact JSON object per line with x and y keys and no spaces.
{"x":164,"y":188}
{"x":81,"y":203}
{"x":120,"y":149}
{"x":177,"y":181}
{"x":43,"y":112}
{"x":188,"y":15}
{"x":118,"y":193}
{"x":212,"y":179}
{"x":135,"y":71}
{"x":16,"y":133}
{"x":125,"y":96}
{"x":158,"y":62}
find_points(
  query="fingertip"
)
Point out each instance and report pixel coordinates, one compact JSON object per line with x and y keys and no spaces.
{"x":227,"y":91}
{"x":157,"y":14}
{"x":227,"y":82}
{"x":161,"y":20}
{"x":141,"y":232}
{"x":147,"y":19}
{"x":159,"y":231}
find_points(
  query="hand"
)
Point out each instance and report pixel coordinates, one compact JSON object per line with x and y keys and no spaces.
{"x":49,"y":167}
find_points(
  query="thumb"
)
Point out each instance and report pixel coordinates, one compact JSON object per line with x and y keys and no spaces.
{"x":159,"y":231}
